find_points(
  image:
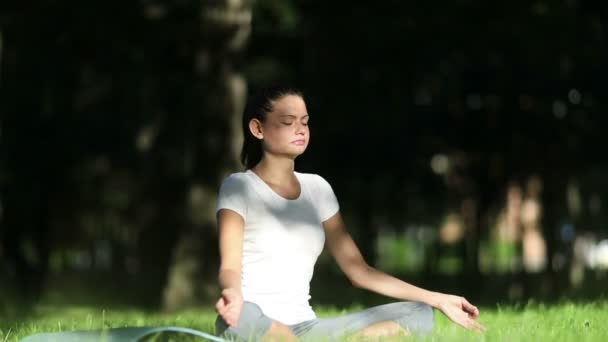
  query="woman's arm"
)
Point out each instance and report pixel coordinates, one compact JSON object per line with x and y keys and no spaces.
{"x":230,"y":225}
{"x":350,"y":260}
{"x":229,"y":306}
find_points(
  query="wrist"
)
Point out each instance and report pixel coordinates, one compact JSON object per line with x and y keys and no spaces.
{"x":234,"y":289}
{"x":433,"y":299}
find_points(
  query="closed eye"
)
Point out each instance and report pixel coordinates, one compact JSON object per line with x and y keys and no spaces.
{"x":290,"y":123}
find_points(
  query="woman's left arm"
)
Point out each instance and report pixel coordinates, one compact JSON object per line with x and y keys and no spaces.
{"x":360,"y":274}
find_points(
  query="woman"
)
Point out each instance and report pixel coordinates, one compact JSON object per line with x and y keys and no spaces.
{"x":273,"y":223}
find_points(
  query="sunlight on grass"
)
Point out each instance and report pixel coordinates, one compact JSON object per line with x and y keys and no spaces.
{"x":531,"y":322}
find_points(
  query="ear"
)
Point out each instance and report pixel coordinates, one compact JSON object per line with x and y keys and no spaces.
{"x":255,"y":127}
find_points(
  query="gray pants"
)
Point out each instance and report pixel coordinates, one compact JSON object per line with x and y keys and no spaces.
{"x":417,"y":318}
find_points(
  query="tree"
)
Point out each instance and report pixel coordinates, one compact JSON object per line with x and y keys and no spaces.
{"x":225,"y":28}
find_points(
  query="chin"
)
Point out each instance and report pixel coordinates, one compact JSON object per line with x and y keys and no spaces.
{"x":295,"y":153}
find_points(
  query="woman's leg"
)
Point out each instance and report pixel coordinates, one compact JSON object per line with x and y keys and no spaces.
{"x":280,"y":333}
{"x":254,"y":326}
{"x":384,"y":328}
{"x":394,"y":318}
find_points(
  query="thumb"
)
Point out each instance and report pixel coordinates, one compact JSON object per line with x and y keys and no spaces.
{"x":228,"y":295}
{"x":469,"y":307}
{"x":221,"y":303}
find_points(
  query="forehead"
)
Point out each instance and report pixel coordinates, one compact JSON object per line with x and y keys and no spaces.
{"x":290,"y":105}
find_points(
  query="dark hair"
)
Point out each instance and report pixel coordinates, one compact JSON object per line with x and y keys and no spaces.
{"x":258,"y":106}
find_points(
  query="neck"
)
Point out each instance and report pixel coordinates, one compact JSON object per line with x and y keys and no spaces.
{"x":275,"y":170}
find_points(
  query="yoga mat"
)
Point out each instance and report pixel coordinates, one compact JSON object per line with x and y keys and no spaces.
{"x":128,"y":334}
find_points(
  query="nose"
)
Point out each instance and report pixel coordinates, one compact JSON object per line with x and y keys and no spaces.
{"x":300,"y":128}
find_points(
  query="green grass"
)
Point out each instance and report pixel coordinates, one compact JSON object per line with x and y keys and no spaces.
{"x":566,"y":321}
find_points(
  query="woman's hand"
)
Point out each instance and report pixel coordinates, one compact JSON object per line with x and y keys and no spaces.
{"x":459,"y":310}
{"x":229,"y":306}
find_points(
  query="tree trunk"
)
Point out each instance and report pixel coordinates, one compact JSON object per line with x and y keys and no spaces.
{"x":225,"y":28}
{"x":1,"y":45}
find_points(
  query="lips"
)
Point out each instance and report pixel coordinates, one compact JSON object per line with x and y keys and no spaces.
{"x":299,"y":142}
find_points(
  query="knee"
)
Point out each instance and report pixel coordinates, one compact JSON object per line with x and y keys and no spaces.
{"x":418,"y":318}
{"x":253,"y":325}
{"x":426,"y":318}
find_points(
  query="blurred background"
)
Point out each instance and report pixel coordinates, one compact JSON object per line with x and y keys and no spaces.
{"x":465,"y":140}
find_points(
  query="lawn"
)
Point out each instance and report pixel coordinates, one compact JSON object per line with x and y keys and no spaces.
{"x":566,"y":321}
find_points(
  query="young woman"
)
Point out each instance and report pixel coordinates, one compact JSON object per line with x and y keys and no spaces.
{"x":273,"y":223}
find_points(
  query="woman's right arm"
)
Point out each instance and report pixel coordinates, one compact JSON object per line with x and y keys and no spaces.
{"x":230,"y":226}
{"x":229,"y":306}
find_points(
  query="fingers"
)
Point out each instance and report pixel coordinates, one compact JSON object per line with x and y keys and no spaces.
{"x":229,"y":311}
{"x":224,"y":309}
{"x":462,"y":318}
{"x":232,"y":316}
{"x":474,"y":325}
{"x":228,"y":314}
{"x":220,"y":305}
{"x":227,"y":294}
{"x":229,"y":306}
{"x":473,"y":314}
{"x":470,"y":308}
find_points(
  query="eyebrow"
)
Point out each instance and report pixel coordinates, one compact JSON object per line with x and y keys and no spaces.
{"x":293,"y":116}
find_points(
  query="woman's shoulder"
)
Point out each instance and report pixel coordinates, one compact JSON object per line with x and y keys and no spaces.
{"x":313,"y":178}
{"x":236,"y":175}
{"x":305,"y":175}
{"x":236,"y":179}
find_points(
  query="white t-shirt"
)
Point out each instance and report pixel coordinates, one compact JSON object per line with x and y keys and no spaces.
{"x":282,"y":241}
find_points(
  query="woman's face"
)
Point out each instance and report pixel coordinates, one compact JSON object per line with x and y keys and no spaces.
{"x":285,"y":130}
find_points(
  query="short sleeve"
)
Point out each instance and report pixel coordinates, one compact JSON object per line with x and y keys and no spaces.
{"x":232,"y":195}
{"x":327,"y":203}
